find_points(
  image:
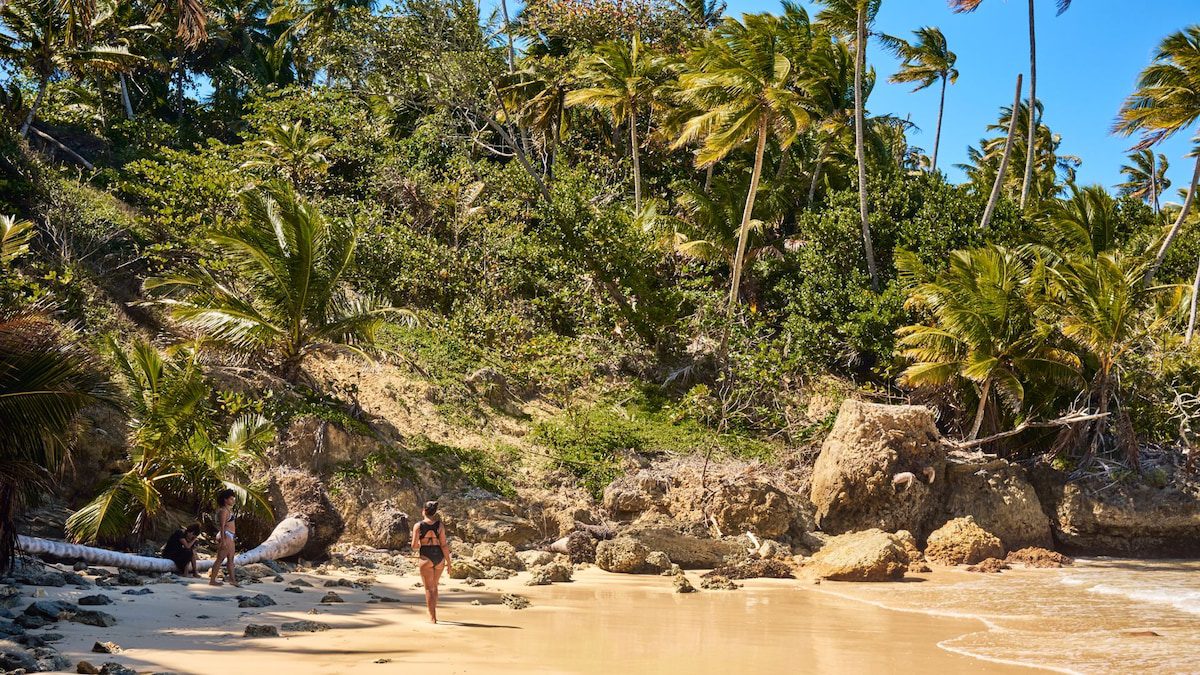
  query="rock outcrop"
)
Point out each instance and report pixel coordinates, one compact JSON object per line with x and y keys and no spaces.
{"x":870,"y":555}
{"x":751,"y":506}
{"x":880,"y":467}
{"x":299,"y":493}
{"x":962,"y":542}
{"x":683,"y":548}
{"x":623,"y":555}
{"x":489,"y":520}
{"x":1124,"y":519}
{"x":387,"y":526}
{"x":999,"y":496}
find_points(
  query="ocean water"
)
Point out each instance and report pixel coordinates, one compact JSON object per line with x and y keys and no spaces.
{"x":1100,"y":616}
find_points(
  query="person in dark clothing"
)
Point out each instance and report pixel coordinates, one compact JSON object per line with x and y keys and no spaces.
{"x":180,"y":549}
{"x":429,"y":538}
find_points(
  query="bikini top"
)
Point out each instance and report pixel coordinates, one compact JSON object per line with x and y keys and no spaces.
{"x":429,"y":528}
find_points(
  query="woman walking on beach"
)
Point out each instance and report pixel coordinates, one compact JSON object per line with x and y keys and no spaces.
{"x":226,"y":532}
{"x":429,"y":537}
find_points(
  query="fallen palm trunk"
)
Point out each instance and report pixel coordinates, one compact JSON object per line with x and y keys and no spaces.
{"x":287,"y":539}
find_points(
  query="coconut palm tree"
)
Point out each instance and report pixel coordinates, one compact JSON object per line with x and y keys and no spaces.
{"x":829,"y":80}
{"x":1146,"y":177}
{"x":15,"y":236}
{"x":287,"y":294}
{"x":1166,"y":102}
{"x":983,"y":327}
{"x":1034,"y":110}
{"x":743,"y":84}
{"x":1053,"y":171}
{"x":1086,"y":223}
{"x":620,"y":79}
{"x":853,"y":19}
{"x":289,"y":150}
{"x":172,"y":454}
{"x":42,"y":38}
{"x":46,"y":378}
{"x":926,"y":61}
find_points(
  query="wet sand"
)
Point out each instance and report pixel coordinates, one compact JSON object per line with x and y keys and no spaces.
{"x":600,"y":623}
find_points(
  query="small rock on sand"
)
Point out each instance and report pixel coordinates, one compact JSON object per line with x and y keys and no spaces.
{"x":140,"y":591}
{"x":96,"y":618}
{"x":989,"y":566}
{"x":301,"y":582}
{"x":514,"y":601}
{"x":87,"y":668}
{"x":305,"y":627}
{"x":716,"y":582}
{"x":259,"y":600}
{"x":1038,"y":557}
{"x":94,"y":600}
{"x":258,"y":630}
{"x":292,"y":589}
{"x":114,"y":668}
{"x":106,"y":648}
{"x":682,"y":585}
{"x":331,"y":597}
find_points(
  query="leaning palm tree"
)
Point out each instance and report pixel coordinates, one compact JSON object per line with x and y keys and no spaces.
{"x":1034,"y":110}
{"x":853,"y":19}
{"x":1166,"y":102}
{"x":173,"y":458}
{"x":926,"y":61}
{"x":743,"y":85}
{"x":286,"y":296}
{"x":983,"y":327}
{"x":46,"y":378}
{"x":1145,"y":177}
{"x":620,"y":78}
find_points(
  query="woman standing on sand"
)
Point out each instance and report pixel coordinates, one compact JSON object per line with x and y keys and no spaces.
{"x":226,"y":532}
{"x":429,"y":537}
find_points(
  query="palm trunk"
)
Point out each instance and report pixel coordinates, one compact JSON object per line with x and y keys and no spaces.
{"x":743,"y":235}
{"x":179,"y":88}
{"x":125,"y":97}
{"x":981,"y":409}
{"x":1101,"y":409}
{"x":1153,"y":182}
{"x":1192,"y":310}
{"x":512,"y":53}
{"x":937,"y":137}
{"x":1029,"y":148}
{"x":708,"y":176}
{"x":637,"y":169}
{"x":860,"y":148}
{"x":43,"y":85}
{"x":1008,"y":144}
{"x":818,"y":167}
{"x":1183,"y":214}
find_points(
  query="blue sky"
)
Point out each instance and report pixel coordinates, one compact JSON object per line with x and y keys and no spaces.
{"x":1088,"y":62}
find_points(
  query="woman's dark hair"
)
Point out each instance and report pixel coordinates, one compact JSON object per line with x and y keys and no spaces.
{"x":223,"y":495}
{"x":194,"y":528}
{"x":430,"y":509}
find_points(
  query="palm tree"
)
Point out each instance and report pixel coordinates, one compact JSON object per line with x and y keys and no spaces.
{"x":1005,"y":156}
{"x":1086,"y":223}
{"x":743,"y":85}
{"x":927,"y":61}
{"x":290,"y":150}
{"x":1146,"y":177}
{"x":172,"y":454}
{"x":829,"y":81}
{"x":42,"y":39}
{"x":854,"y":18}
{"x":288,"y":295}
{"x":15,"y":236}
{"x":620,"y":78}
{"x":1167,"y":101}
{"x":704,"y":14}
{"x":46,"y":378}
{"x":983,"y":327}
{"x":1034,"y":110}
{"x":1053,"y":171}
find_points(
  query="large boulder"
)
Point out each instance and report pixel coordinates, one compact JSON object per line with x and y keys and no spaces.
{"x":682,"y":546}
{"x":870,"y":555}
{"x":623,"y":555}
{"x":751,"y":505}
{"x":630,"y":496}
{"x":962,"y":542}
{"x":488,"y":520}
{"x":872,"y":447}
{"x":999,"y":496}
{"x":1093,"y":517}
{"x":499,"y":554}
{"x":293,"y":492}
{"x":387,"y":526}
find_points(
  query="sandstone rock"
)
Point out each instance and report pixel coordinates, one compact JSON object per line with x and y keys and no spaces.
{"x":1038,"y":557}
{"x":962,"y":542}
{"x":989,"y":566}
{"x":623,"y":555}
{"x":772,"y":549}
{"x":260,"y":600}
{"x":1129,"y":519}
{"x":853,"y":485}
{"x":298,"y":493}
{"x":630,"y":496}
{"x":556,"y":572}
{"x":106,"y":648}
{"x":657,"y":562}
{"x":999,"y":496}
{"x":305,"y":626}
{"x":751,"y":505}
{"x":581,"y":548}
{"x":257,"y":570}
{"x":909,"y":542}
{"x":86,"y":668}
{"x":330,"y":598}
{"x":464,"y":568}
{"x":686,"y":550}
{"x":257,"y":630}
{"x":114,"y":668}
{"x":489,"y":521}
{"x":870,"y":555}
{"x":539,"y":577}
{"x":754,"y":569}
{"x":716,"y":582}
{"x":498,"y":554}
{"x":514,"y":601}
{"x":498,"y":573}
{"x":387,"y":526}
{"x":531,"y":559}
{"x":682,"y":585}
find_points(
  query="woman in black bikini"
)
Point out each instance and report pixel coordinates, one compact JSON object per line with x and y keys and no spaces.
{"x":429,"y":537}
{"x":226,"y":533}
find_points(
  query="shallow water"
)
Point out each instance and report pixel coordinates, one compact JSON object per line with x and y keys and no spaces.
{"x":1095,"y":617}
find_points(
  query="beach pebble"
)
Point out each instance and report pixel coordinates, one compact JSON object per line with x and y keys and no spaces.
{"x":305,"y":626}
{"x":258,"y":630}
{"x":383,"y":660}
{"x":476,"y":603}
{"x":106,"y":648}
{"x":331,"y":597}
{"x":95,"y":600}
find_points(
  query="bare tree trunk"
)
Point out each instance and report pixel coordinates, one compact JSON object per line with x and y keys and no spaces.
{"x":125,"y":97}
{"x":1183,"y":214}
{"x":637,"y":169}
{"x":1192,"y":310}
{"x":1008,"y":143}
{"x":743,"y":235}
{"x":708,"y":176}
{"x":512,"y":53}
{"x":860,"y":148}
{"x":1029,"y":148}
{"x":43,"y":84}
{"x":937,"y":137}
{"x":179,"y":72}
{"x":981,"y":409}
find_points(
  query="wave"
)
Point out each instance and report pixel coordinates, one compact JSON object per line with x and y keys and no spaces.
{"x":1187,"y":601}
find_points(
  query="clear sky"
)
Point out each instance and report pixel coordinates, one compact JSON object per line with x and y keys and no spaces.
{"x":1088,"y":62}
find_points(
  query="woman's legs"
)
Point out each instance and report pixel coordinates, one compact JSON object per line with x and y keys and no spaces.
{"x":229,"y":556}
{"x":218,"y":558}
{"x":429,"y":579}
